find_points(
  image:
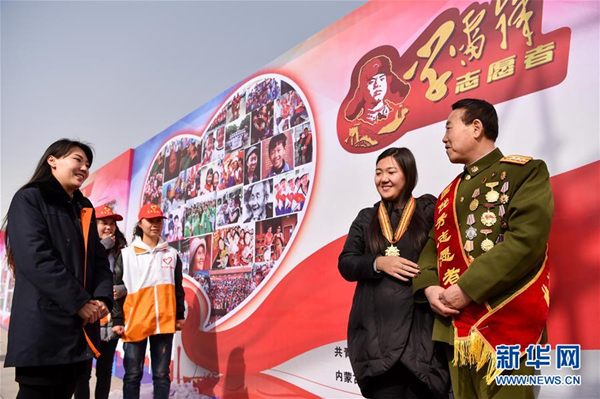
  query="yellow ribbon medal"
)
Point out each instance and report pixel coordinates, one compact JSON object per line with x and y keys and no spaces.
{"x":386,"y":226}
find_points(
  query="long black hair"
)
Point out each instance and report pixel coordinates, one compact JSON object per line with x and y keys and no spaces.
{"x":43,"y":174}
{"x":120,"y":242}
{"x":376,"y":242}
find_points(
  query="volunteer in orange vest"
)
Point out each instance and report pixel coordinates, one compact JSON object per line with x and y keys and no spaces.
{"x":154,"y":306}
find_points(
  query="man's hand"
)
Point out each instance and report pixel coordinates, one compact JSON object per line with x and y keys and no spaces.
{"x":433,"y":294}
{"x":118,"y":330}
{"x":454,"y":297}
{"x":90,"y":312}
{"x":103,"y":309}
{"x":397,"y":267}
{"x":179,"y":324}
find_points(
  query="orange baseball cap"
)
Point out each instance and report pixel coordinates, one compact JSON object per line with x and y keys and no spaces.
{"x":107,"y":212}
{"x":150,"y":211}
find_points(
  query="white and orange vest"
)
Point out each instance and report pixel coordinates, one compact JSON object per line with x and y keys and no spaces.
{"x":149,"y":276}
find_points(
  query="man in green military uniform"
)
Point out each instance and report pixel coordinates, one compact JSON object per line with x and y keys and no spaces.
{"x":484,"y":269}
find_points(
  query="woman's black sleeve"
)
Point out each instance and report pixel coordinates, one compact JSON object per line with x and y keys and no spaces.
{"x":179,"y":292}
{"x":354,"y":263}
{"x":117,"y":312}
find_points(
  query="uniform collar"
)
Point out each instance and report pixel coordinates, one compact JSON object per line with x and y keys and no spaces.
{"x":483,"y":163}
{"x":140,"y":247}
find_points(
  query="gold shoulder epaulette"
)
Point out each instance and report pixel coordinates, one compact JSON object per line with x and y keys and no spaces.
{"x":516,"y":159}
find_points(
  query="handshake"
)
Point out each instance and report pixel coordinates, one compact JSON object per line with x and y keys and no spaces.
{"x":92,"y":311}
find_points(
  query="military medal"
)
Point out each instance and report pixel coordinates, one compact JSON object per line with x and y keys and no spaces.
{"x":501,"y":211}
{"x":492,"y":196}
{"x":488,"y":218}
{"x":392,"y":250}
{"x":474,"y":169}
{"x":504,"y":197}
{"x":475,"y":203}
{"x":386,"y":226}
{"x":486,"y":244}
{"x":469,"y":246}
{"x":471,"y":232}
{"x":503,"y":175}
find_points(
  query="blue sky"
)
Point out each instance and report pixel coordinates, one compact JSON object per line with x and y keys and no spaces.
{"x":115,"y":73}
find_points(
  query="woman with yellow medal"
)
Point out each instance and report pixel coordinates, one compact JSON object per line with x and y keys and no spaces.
{"x":389,"y":336}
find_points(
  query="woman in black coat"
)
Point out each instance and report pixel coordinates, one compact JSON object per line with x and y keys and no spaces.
{"x":63,"y":283}
{"x":389,"y":336}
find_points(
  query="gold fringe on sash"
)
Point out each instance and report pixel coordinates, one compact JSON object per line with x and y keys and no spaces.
{"x":476,"y":351}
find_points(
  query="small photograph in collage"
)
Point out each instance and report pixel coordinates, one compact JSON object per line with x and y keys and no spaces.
{"x":272,"y":237}
{"x":303,"y":145}
{"x":260,"y":271}
{"x":261,"y":93}
{"x":192,"y":182}
{"x":173,"y":226}
{"x":232,"y":170}
{"x":209,"y":178}
{"x":198,"y":250}
{"x":236,"y":107}
{"x":203,"y":279}
{"x":234,"y":247}
{"x":252,"y":164}
{"x":291,"y":191}
{"x":262,"y":123}
{"x":208,"y":148}
{"x":227,"y":291}
{"x":284,"y":193}
{"x":200,"y":216}
{"x":190,"y":153}
{"x":153,"y":188}
{"x":174,"y":193}
{"x":219,"y":146}
{"x":278,"y":154}
{"x":258,"y":201}
{"x":237,"y":134}
{"x":229,"y":208}
{"x":173,"y":160}
{"x":220,"y":119}
{"x":294,"y":111}
{"x":302,"y":183}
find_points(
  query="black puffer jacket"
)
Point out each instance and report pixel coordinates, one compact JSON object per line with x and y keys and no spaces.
{"x":385,"y":325}
{"x":45,"y":234}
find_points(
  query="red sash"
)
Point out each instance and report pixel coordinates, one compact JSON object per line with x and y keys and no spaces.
{"x":478,"y":329}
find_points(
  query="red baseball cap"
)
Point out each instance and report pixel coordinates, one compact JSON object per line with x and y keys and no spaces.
{"x":150,"y":211}
{"x":106,"y":211}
